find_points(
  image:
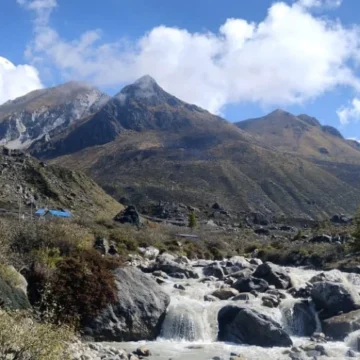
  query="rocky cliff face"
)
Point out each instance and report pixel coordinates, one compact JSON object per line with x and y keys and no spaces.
{"x":35,"y":115}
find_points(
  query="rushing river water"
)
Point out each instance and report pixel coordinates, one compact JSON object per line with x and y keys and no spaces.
{"x":190,"y":328}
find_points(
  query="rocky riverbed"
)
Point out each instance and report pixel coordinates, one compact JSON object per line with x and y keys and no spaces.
{"x":233,"y":309}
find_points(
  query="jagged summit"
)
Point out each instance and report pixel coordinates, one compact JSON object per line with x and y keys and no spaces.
{"x":145,"y":90}
{"x":145,"y":80}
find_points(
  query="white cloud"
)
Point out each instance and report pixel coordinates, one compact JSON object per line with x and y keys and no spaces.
{"x":290,"y":57}
{"x":16,"y":81}
{"x":319,"y":3}
{"x":350,"y":112}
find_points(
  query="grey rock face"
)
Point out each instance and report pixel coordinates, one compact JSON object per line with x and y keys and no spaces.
{"x":247,"y":326}
{"x":334,"y":298}
{"x":35,"y":115}
{"x":11,"y":297}
{"x":137,"y":315}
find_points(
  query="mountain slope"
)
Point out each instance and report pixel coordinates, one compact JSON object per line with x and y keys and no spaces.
{"x":139,"y":107}
{"x":27,"y":183}
{"x":302,"y":135}
{"x":35,"y":115}
{"x":147,"y":145}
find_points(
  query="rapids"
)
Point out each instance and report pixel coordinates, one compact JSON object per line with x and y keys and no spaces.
{"x":190,"y":329}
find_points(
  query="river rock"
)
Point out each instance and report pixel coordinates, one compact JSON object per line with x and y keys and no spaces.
{"x":138,"y":313}
{"x":300,"y":318}
{"x":340,"y":326}
{"x":171,"y":268}
{"x":149,"y":252}
{"x":332,"y":276}
{"x":214,"y":270}
{"x":245,"y":273}
{"x":250,"y":283}
{"x":244,"y":297}
{"x":225,"y":293}
{"x":274,"y":275}
{"x":239,"y":261}
{"x":334,"y":298}
{"x":247,"y":326}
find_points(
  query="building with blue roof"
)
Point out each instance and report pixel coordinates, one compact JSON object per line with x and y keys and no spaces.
{"x":59,"y":213}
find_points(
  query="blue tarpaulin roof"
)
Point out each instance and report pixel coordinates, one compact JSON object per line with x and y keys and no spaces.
{"x":56,"y":213}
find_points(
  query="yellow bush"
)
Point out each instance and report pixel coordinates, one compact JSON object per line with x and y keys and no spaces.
{"x":22,"y":338}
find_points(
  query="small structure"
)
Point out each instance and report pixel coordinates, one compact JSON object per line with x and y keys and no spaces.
{"x":59,"y":213}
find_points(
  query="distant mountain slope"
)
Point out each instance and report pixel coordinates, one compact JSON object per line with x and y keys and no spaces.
{"x":27,"y":183}
{"x":35,"y":115}
{"x":139,"y":107}
{"x":147,"y":145}
{"x":302,"y":135}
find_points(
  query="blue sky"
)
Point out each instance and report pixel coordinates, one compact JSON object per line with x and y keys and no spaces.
{"x":240,"y":59}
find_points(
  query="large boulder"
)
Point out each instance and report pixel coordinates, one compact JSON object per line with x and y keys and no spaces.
{"x":339,"y":327}
{"x":301,"y":319}
{"x":214,"y":270}
{"x":247,"y":326}
{"x":274,"y":275}
{"x":137,"y":315}
{"x":333,"y":298}
{"x":12,"y":289}
{"x":250,"y":283}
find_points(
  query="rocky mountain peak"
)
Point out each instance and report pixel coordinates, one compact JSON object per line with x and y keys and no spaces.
{"x":31,"y":117}
{"x":145,"y":90}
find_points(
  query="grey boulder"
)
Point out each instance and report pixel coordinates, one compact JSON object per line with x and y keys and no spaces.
{"x":250,"y":284}
{"x":274,"y":275}
{"x":334,"y":298}
{"x":137,"y":315}
{"x":247,"y":326}
{"x":338,"y":327}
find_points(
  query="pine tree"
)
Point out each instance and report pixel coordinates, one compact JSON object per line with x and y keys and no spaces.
{"x":192,"y":220}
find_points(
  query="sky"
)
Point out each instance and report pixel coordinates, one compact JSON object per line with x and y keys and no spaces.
{"x":239,"y":59}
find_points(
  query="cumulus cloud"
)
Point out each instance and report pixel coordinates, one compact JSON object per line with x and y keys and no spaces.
{"x":16,"y":81}
{"x":290,"y":57}
{"x":350,"y":112}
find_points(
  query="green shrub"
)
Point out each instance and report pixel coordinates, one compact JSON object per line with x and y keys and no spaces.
{"x":81,"y":286}
{"x":192,"y":220}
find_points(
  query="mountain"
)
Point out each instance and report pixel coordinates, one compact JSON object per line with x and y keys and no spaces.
{"x":33,"y":116}
{"x":140,"y":107}
{"x":302,"y":135}
{"x":147,"y":145}
{"x":27,"y":183}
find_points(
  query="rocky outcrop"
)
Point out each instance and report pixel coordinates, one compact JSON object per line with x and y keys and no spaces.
{"x":274,"y":275}
{"x":129,"y":216}
{"x":333,"y":298}
{"x":247,"y":326}
{"x":338,"y":327}
{"x":12,"y":289}
{"x":137,"y":315}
